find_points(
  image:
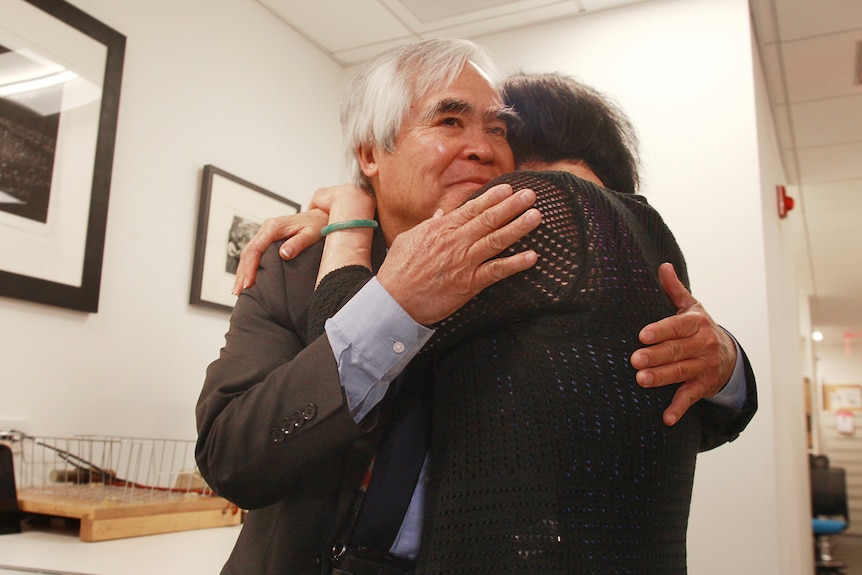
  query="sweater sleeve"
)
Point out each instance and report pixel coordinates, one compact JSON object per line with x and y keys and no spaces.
{"x":580,"y":221}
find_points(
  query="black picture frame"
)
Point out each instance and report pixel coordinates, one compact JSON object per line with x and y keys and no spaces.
{"x":230,"y":213}
{"x":52,"y":35}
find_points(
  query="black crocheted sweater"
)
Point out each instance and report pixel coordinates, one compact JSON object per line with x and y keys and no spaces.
{"x":546,"y":456}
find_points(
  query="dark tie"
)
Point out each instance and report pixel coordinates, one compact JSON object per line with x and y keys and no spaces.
{"x":397,"y":464}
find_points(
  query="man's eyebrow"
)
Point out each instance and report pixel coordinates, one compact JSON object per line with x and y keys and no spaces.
{"x":447,"y":106}
{"x":455,"y":106}
{"x":505,"y":113}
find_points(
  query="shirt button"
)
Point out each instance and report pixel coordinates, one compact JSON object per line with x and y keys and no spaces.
{"x":398,"y":347}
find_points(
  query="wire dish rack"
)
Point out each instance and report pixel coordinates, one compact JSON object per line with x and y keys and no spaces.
{"x":117,"y":486}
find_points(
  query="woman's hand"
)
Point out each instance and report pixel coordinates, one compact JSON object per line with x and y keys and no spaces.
{"x":298,"y":230}
{"x":301,"y":230}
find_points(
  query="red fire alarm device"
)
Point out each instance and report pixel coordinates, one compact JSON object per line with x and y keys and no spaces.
{"x":785,"y":202}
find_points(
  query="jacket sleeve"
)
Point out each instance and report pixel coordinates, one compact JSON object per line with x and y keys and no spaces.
{"x":272,"y":407}
{"x":720,"y":424}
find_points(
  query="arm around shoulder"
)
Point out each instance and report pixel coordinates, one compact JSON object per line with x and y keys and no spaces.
{"x":272,"y":405}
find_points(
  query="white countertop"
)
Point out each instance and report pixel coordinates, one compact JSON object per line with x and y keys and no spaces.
{"x":198,"y":552}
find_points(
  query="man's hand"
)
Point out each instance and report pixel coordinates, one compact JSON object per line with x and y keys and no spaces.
{"x":687,"y":348}
{"x":440,"y":264}
{"x":300,"y":230}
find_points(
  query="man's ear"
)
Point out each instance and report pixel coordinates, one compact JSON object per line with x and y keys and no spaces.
{"x":367,"y":161}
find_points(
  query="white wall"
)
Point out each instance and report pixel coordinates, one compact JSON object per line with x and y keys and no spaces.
{"x":218,"y":82}
{"x":683,"y":70}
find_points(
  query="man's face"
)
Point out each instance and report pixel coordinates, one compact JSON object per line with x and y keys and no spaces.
{"x":452,"y":142}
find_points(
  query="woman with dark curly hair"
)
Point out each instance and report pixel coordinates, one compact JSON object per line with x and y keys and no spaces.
{"x":546,"y":456}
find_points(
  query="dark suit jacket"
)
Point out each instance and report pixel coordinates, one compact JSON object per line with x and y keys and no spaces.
{"x":268,"y":380}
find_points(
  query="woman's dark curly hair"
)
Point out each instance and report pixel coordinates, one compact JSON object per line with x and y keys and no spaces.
{"x":562,"y":119}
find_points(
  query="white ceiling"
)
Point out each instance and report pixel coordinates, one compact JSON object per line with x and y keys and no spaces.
{"x":811,"y":56}
{"x":352,"y":30}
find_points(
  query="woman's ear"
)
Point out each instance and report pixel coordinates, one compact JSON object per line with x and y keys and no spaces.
{"x":367,"y":161}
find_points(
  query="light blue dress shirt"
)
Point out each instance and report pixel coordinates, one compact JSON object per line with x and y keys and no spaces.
{"x":373,"y":340}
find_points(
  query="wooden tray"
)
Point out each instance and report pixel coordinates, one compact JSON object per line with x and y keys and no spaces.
{"x":111,"y":517}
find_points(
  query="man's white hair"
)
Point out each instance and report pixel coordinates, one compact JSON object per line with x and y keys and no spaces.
{"x":378,"y":97}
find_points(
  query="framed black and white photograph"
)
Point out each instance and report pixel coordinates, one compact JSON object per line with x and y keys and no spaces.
{"x":60,"y":76}
{"x":231,"y":211}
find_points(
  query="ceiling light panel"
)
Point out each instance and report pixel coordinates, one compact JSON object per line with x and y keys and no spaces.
{"x":822,"y":67}
{"x":596,"y":5}
{"x":424,"y":16}
{"x":827,"y":121}
{"x":427,"y":11}
{"x":338,"y":24}
{"x":807,"y":18}
{"x":829,"y":163}
{"x":504,"y":23}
